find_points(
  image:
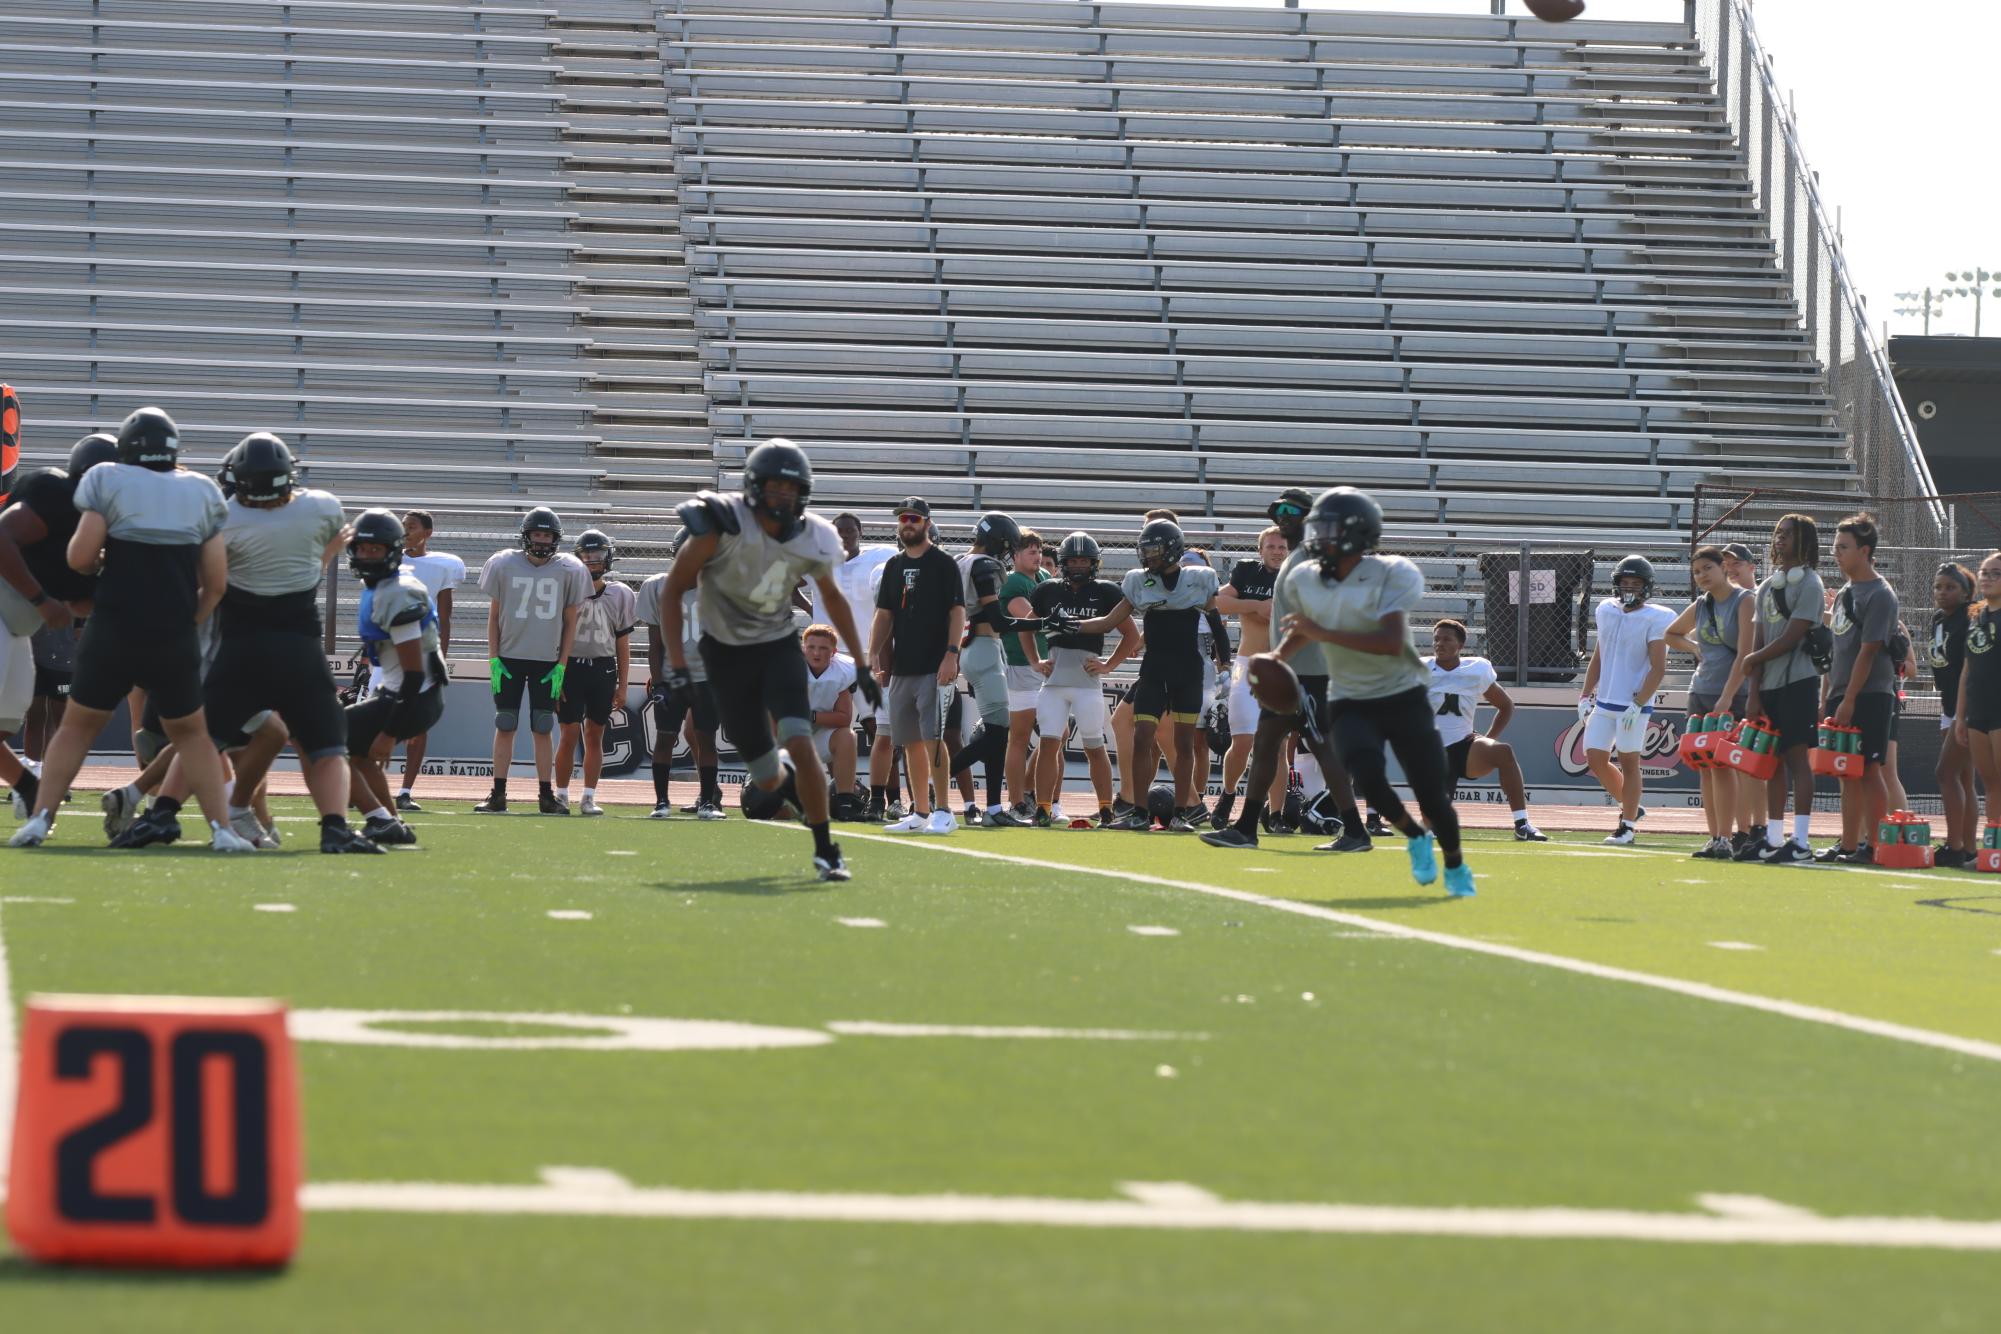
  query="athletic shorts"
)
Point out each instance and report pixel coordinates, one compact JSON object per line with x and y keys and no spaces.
{"x":590,"y":691}
{"x":1024,"y":686}
{"x":1363,"y":730}
{"x":1601,"y":729}
{"x":1873,"y":714}
{"x":1244,"y":708}
{"x":915,"y":714}
{"x":1168,"y":688}
{"x":1458,"y":756}
{"x":369,"y":720}
{"x":1699,"y":704}
{"x":758,"y":687}
{"x":52,"y":683}
{"x":1314,"y":717}
{"x":113,"y":657}
{"x":1057,"y":706}
{"x":17,"y":680}
{"x":274,"y":671}
{"x":525,"y":675}
{"x":669,"y":714}
{"x":1794,"y":711}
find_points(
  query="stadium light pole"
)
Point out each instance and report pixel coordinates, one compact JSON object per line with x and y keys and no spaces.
{"x":1973,"y":283}
{"x":1928,"y":306}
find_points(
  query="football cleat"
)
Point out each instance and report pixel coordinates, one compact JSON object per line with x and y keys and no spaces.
{"x":1134,"y":819}
{"x":590,"y":807}
{"x":941,"y":822}
{"x":1043,"y":818}
{"x":391,"y":832}
{"x":1622,"y":837}
{"x":1182,"y":821}
{"x":1459,"y":881}
{"x":912,"y":823}
{"x":1229,"y":836}
{"x":1423,"y":860}
{"x":495,"y":804}
{"x":247,"y":828}
{"x":150,"y":828}
{"x":19,"y":800}
{"x":224,"y":839}
{"x":1376,"y":828}
{"x":32,"y":834}
{"x":1528,"y":833}
{"x":832,"y":868}
{"x":691,"y":809}
{"x":662,"y":812}
{"x":406,"y":802}
{"x":894,"y":811}
{"x":121,"y":808}
{"x":1788,"y":854}
{"x":710,"y":810}
{"x":1006,"y":819}
{"x":341,"y":839}
{"x":973,"y":816}
{"x":1347,"y":843}
{"x":551,"y":804}
{"x":1220,"y":817}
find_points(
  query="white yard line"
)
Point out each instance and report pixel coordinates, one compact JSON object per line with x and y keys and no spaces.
{"x":1812,"y":1014}
{"x":863,"y":923}
{"x":1153,"y":930}
{"x":870,"y":1028}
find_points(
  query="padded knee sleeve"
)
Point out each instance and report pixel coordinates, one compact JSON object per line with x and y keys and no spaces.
{"x":765,"y":768}
{"x":147,"y":745}
{"x":541,"y":721}
{"x":9,"y":726}
{"x":794,"y":729}
{"x":506,"y":720}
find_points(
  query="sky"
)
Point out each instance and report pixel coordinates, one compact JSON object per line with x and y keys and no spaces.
{"x":1894,"y":102}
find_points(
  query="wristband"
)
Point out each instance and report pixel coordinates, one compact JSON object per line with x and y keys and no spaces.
{"x":41,"y":596}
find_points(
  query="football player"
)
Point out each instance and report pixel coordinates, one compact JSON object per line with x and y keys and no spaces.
{"x":400,"y":634}
{"x":537,"y":593}
{"x":1356,"y":603}
{"x":1074,"y":670}
{"x":1024,"y":683}
{"x":38,"y":589}
{"x":830,"y":686}
{"x":1617,"y":703}
{"x":745,"y":554}
{"x":985,"y":569}
{"x":697,"y":708}
{"x":1459,"y":686}
{"x":152,"y":533}
{"x":594,"y":684}
{"x":1247,"y":596}
{"x":440,"y":572}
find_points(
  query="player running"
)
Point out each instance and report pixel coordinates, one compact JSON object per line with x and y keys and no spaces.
{"x":1356,"y":603}
{"x":531,"y":630}
{"x":1617,"y":703}
{"x":1459,"y":686}
{"x":400,"y":634}
{"x":1074,"y":670}
{"x":594,"y":684}
{"x":749,"y":552}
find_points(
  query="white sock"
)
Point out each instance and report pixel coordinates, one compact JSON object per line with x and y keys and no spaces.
{"x":133,"y":796}
{"x":235,"y":811}
{"x":229,"y":793}
{"x":563,"y":793}
{"x":995,"y":809}
{"x":1311,"y":782}
{"x":379,"y":813}
{"x":590,"y":794}
{"x":406,"y":788}
{"x":1521,"y":817}
{"x":1775,"y":833}
{"x":1801,"y":825}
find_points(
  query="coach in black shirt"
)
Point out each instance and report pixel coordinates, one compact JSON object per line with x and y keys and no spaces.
{"x":920,"y":611}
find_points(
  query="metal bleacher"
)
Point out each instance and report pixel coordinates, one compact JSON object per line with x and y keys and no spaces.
{"x":1079,"y":259}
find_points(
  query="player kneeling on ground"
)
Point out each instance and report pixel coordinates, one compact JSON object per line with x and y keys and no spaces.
{"x":746,"y":553}
{"x":397,"y":616}
{"x":1618,"y":700}
{"x":594,"y":683}
{"x":830,"y":686}
{"x":1356,"y":603}
{"x":1459,"y":685}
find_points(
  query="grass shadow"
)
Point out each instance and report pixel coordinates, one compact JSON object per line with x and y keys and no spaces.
{"x":1401,"y":903}
{"x":18,"y":1269}
{"x":763,"y":886}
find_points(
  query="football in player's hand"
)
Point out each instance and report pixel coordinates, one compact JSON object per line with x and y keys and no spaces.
{"x":1555,"y":11}
{"x":1273,"y":683}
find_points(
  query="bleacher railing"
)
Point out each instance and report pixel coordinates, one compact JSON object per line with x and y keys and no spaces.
{"x":1804,"y":231}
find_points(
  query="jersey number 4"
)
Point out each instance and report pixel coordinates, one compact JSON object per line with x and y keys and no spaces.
{"x":771,"y":591}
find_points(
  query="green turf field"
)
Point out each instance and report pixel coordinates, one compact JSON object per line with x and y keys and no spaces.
{"x":1619,"y":1090}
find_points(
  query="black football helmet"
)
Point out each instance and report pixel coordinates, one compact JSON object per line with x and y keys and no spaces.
{"x":1161,"y":541}
{"x":376,"y":526}
{"x":778,"y":461}
{"x":95,"y":448}
{"x":1634,"y":567}
{"x":262,"y":467}
{"x":225,"y":472}
{"x":150,"y":439}
{"x":595,"y":545}
{"x":997,"y":534}
{"x":1344,"y":522}
{"x":1079,"y":546}
{"x":541,"y":532}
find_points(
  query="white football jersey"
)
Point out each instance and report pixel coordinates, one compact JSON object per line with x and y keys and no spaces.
{"x":1623,"y":637}
{"x":824,"y":691}
{"x":1455,"y":695}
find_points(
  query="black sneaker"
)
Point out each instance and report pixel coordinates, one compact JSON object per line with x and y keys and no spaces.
{"x":1791,"y":854}
{"x":495,"y":804}
{"x":390,"y":831}
{"x":1948,"y":858}
{"x":1862,"y":856}
{"x":1121,"y":807}
{"x":1833,"y":853}
{"x":1347,"y":843}
{"x":406,"y":802}
{"x":1754,"y":850}
{"x":150,"y":828}
{"x":975,"y":815}
{"x":340,"y":838}
{"x":1225,"y":804}
{"x":1005,"y":818}
{"x":1376,"y":827}
{"x":1230,"y":837}
{"x":1042,"y":819}
{"x":1134,"y":819}
{"x":1199,"y":814}
{"x":552,"y":804}
{"x":1185,"y":820}
{"x":831,"y":867}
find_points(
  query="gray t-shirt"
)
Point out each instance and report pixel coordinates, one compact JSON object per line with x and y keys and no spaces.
{"x":1378,"y":586}
{"x":1873,"y":622}
{"x":277,"y":551}
{"x":1716,"y":635}
{"x":161,"y":509}
{"x":1806,"y":600}
{"x":691,"y":620}
{"x":747,"y":585}
{"x":1311,"y":660}
{"x":532,"y":601}
{"x":604,"y":620}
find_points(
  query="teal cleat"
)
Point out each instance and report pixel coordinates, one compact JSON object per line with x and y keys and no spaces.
{"x":1423,"y":861}
{"x":1459,"y":881}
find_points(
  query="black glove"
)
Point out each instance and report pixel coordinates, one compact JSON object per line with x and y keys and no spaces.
{"x":870,"y":691}
{"x":656,"y":692}
{"x":1058,"y":623}
{"x":680,"y":684}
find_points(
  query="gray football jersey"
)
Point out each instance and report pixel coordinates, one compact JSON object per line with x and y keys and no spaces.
{"x":691,"y":620}
{"x":277,"y":551}
{"x":747,"y":585}
{"x":1193,"y":587}
{"x":386,"y":609}
{"x":604,"y":620}
{"x":160,"y":509}
{"x":532,"y":600}
{"x":1375,"y":588}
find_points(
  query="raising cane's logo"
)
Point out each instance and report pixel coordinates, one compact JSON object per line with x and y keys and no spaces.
{"x":1660,"y":756}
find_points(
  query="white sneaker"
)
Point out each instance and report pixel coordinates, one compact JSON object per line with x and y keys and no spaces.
{"x":247,"y":828}
{"x":226,"y":839}
{"x":590,"y":807}
{"x":1623,"y":837}
{"x":912,"y":823}
{"x":32,"y":833}
{"x":121,"y":808}
{"x":1056,"y":815}
{"x":941,"y":822}
{"x":662,"y":812}
{"x":708,"y":810}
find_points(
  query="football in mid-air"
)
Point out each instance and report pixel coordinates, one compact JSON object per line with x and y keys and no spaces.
{"x":1555,"y":11}
{"x":1273,"y":683}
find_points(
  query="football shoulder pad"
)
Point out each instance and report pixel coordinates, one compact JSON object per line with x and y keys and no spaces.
{"x":708,"y":512}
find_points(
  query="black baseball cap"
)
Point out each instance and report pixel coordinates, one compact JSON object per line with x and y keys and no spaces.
{"x":1738,"y":551}
{"x":914,"y":505}
{"x":1294,"y":496}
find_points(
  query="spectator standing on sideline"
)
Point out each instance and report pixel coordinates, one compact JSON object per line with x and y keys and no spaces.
{"x":1785,"y":685}
{"x":1717,"y":628}
{"x":1024,"y":682}
{"x":1861,"y":688}
{"x":855,"y":575}
{"x":1952,"y":591}
{"x":920,"y":613}
{"x":439,"y":572}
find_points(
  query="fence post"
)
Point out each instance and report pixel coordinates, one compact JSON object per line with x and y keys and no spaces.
{"x":1522,"y":618}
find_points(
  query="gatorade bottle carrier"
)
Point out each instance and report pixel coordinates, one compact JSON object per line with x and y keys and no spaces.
{"x":1839,"y":754}
{"x":1752,"y":749}
{"x":1904,"y":841}
{"x":1702,"y":739}
{"x":1988,"y":859}
{"x":156,"y":1131}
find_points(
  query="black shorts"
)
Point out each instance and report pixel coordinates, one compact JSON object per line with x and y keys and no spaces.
{"x":668,"y":715}
{"x":1874,"y":715}
{"x":529,"y":676}
{"x":1458,"y":756}
{"x":1363,"y":730}
{"x":280,"y":670}
{"x":757,"y":685}
{"x":367,"y":721}
{"x":590,"y":691}
{"x":112,"y":658}
{"x":1699,"y":704}
{"x":1312,"y":707}
{"x":1168,"y":687}
{"x":52,"y":684}
{"x":1794,"y":711}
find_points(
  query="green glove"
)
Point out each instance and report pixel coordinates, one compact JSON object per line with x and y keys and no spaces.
{"x":500,"y":673}
{"x":555,"y":681}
